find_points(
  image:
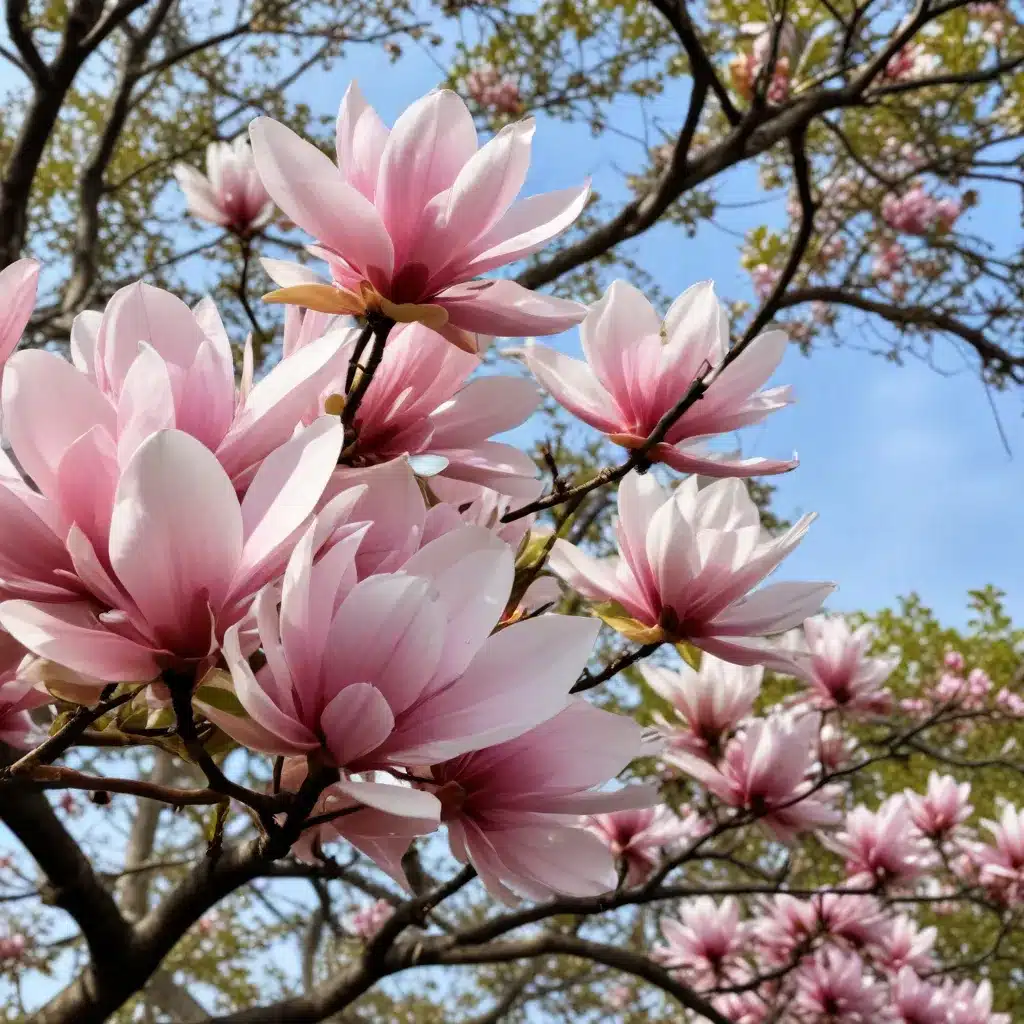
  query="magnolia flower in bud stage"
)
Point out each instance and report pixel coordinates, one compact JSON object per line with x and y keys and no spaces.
{"x":711,"y":702}
{"x":420,"y":405}
{"x":232,"y":194}
{"x":944,"y":806}
{"x":917,"y":1001}
{"x":18,"y":696}
{"x":906,"y":945}
{"x":881,"y":846}
{"x":408,"y":219}
{"x":687,"y":563}
{"x":839,"y":673}
{"x":182,"y":557}
{"x":764,"y":770}
{"x":399,"y":668}
{"x":637,"y":838}
{"x":638,"y":367}
{"x":705,"y":942}
{"x":365,"y":922}
{"x":834,"y":986}
{"x":505,"y":806}
{"x":18,"y":285}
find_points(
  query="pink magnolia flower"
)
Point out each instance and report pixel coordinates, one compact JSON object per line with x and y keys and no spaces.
{"x":906,"y":945}
{"x":491,"y":89}
{"x":18,"y":696}
{"x":505,"y":806}
{"x":398,"y":668}
{"x":764,"y":771}
{"x":853,"y":917}
{"x":833,"y":986}
{"x":711,"y":702}
{"x":183,"y":557}
{"x":637,"y":838}
{"x":881,"y":846}
{"x":705,"y":942}
{"x":377,"y":813}
{"x":231,"y":194}
{"x":972,"y":1004}
{"x":421,"y":404}
{"x":147,"y":363}
{"x":916,"y":1001}
{"x":1000,"y":866}
{"x":408,"y":218}
{"x":839,"y":672}
{"x":368,"y":919}
{"x":687,"y":563}
{"x":638,"y":367}
{"x":944,"y":806}
{"x":18,"y":284}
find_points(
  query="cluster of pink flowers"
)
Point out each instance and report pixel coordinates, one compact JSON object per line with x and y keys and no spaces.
{"x":916,"y":212}
{"x":488,"y":87}
{"x":889,"y":258}
{"x":910,"y":62}
{"x":745,"y":68}
{"x":831,"y":958}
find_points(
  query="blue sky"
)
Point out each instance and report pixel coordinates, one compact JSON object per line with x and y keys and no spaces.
{"x":905,"y":466}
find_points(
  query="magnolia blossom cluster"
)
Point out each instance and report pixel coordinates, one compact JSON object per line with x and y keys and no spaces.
{"x":488,"y":87}
{"x":836,"y":956}
{"x":316,"y":562}
{"x":916,"y":212}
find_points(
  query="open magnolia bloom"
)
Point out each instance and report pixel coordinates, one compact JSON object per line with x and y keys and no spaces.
{"x":638,"y":367}
{"x":158,"y":562}
{"x":399,"y":668}
{"x":688,"y":561}
{"x":422,"y":404}
{"x":231,"y":193}
{"x":18,"y":284}
{"x":408,"y":219}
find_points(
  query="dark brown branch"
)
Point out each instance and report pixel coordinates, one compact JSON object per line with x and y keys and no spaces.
{"x":588,"y":681}
{"x":991,"y":354}
{"x":801,"y":174}
{"x":32,"y":63}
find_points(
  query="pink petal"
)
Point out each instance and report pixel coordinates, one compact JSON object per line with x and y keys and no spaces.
{"x":401,"y":801}
{"x":485,"y":406}
{"x":18,"y":284}
{"x":772,"y":609}
{"x":315,"y":195}
{"x":593,"y":578}
{"x":500,"y":467}
{"x":356,"y":722}
{"x":429,"y":145}
{"x":527,"y":227}
{"x":281,"y":497}
{"x":36,"y":383}
{"x":279,"y":401}
{"x":390,"y":631}
{"x":72,"y":636}
{"x":716,"y":464}
{"x":502,"y":307}
{"x":86,"y":482}
{"x":571,"y":382}
{"x":146,"y":403}
{"x":521,"y":677}
{"x":85,"y":329}
{"x":176,"y":531}
{"x":360,"y":137}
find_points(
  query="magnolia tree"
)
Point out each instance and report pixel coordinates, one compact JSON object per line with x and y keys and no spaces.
{"x":319,"y":703}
